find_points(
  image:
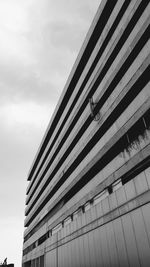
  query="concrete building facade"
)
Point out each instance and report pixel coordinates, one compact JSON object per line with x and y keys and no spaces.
{"x":88,"y":198}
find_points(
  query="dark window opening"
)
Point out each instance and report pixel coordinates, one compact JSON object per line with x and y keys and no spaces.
{"x":42,"y":239}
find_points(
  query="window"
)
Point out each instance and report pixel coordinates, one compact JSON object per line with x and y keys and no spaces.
{"x":56,"y":228}
{"x":87,"y":206}
{"x":67,"y":221}
{"x":116,"y":185}
{"x":77,"y":213}
{"x":100,"y":196}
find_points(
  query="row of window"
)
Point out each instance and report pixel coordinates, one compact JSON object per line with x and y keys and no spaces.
{"x":94,"y":201}
{"x":98,"y":198}
{"x":130,"y":138}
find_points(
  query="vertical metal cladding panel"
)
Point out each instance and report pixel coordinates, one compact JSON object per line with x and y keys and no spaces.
{"x":112,"y":201}
{"x":89,"y":249}
{"x":89,"y":239}
{"x":75,"y":225}
{"x":93,"y":212}
{"x":77,"y":241}
{"x":93,"y":243}
{"x":141,"y":237}
{"x":99,"y":209}
{"x":147,"y":173}
{"x":63,"y":256}
{"x":130,"y":190}
{"x":131,"y":244}
{"x":121,"y":246}
{"x":67,"y":256}
{"x":86,"y":250}
{"x":92,"y":248}
{"x":112,"y":247}
{"x":146,"y":216}
{"x":81,"y":223}
{"x":122,"y":242}
{"x":141,"y":184}
{"x":68,"y":259}
{"x":73,"y":253}
{"x":74,"y":244}
{"x":67,"y":229}
{"x":98,"y":253}
{"x":105,"y":248}
{"x":71,"y":227}
{"x":88,"y":216}
{"x":82,"y":253}
{"x":68,"y":253}
{"x":50,"y":258}
{"x":59,"y":256}
{"x":121,"y":196}
{"x":105,"y":205}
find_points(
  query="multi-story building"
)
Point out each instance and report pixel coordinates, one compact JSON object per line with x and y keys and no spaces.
{"x":88,"y":198}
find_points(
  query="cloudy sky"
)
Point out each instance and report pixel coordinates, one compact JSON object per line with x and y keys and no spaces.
{"x":39,"y":42}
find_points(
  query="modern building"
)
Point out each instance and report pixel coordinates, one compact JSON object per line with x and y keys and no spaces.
{"x":88,"y":198}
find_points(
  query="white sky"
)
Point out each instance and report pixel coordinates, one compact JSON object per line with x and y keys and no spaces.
{"x":39,"y":42}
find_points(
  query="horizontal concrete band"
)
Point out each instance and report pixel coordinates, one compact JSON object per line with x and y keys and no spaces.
{"x":135,"y":203}
{"x":106,"y":148}
{"x":39,"y":203}
{"x":128,"y":166}
{"x":127,"y":187}
{"x":121,"y":210}
{"x":125,"y":168}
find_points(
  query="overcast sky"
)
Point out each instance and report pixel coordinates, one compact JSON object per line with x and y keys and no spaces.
{"x":39,"y":42}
